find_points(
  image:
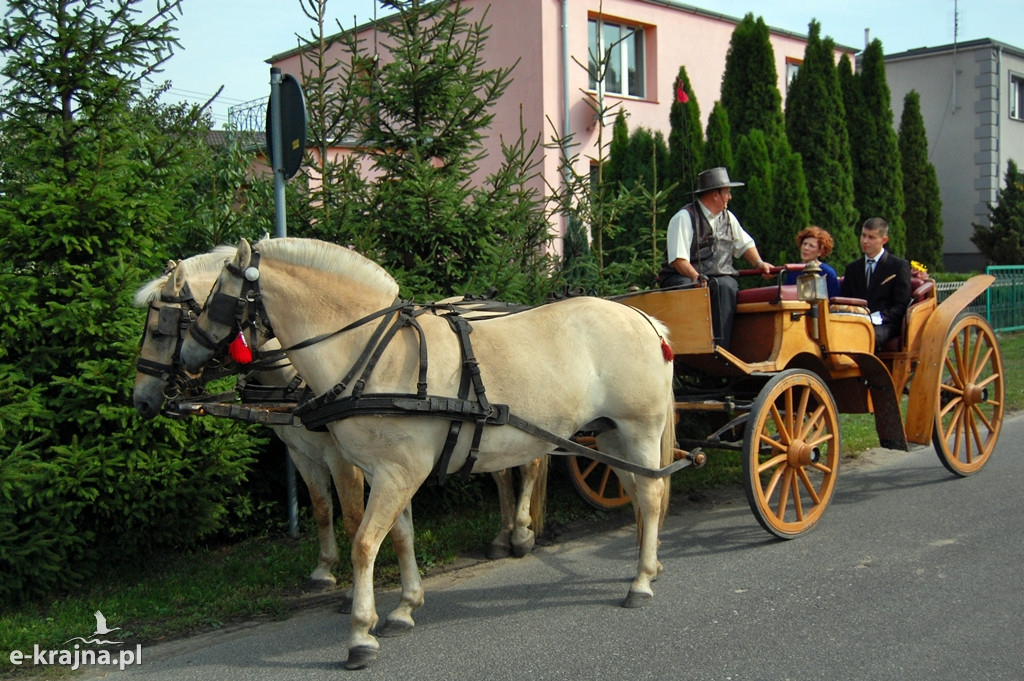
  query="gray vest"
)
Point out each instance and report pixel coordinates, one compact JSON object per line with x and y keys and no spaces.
{"x":711,"y":252}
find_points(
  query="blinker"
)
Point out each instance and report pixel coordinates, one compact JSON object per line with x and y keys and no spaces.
{"x":167,"y":323}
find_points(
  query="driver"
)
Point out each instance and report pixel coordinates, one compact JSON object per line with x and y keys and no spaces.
{"x":706,"y":255}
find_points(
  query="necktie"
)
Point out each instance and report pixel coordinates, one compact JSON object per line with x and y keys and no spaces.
{"x":868,"y":270}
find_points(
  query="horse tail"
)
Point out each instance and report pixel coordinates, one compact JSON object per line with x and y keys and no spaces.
{"x":668,"y":448}
{"x":539,"y":498}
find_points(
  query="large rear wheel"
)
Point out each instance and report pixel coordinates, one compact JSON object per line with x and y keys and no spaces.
{"x":972,"y":397}
{"x":791,"y":453}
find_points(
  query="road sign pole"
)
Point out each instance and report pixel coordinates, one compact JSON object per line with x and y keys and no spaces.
{"x":277,"y":162}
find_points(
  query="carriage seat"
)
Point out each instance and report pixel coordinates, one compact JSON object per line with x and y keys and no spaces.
{"x":922,"y":290}
{"x":767,"y":294}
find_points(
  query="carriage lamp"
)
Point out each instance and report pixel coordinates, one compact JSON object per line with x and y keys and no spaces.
{"x":810,"y":285}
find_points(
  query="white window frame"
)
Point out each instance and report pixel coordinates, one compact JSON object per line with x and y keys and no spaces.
{"x":1016,"y":96}
{"x":627,"y":45}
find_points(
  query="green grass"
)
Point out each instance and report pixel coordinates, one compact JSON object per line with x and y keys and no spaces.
{"x":185,"y":592}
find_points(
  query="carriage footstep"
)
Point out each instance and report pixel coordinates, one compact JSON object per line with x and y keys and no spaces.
{"x":392,"y":628}
{"x":637,"y":599}
{"x":361,"y":657}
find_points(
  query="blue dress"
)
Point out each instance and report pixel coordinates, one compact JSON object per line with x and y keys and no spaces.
{"x":831,"y":279}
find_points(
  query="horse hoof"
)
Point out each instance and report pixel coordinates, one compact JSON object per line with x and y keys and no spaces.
{"x":498,"y":551}
{"x":637,"y":599}
{"x":520,"y":550}
{"x":393,"y":628}
{"x":319,"y":585}
{"x":345,"y":606}
{"x":361,"y":657}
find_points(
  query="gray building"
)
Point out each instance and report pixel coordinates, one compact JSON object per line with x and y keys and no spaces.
{"x":972,"y":101}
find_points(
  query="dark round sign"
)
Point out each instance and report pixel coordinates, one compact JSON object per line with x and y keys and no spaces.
{"x":293,"y":125}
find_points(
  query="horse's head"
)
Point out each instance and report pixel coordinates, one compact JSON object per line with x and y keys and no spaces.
{"x":227,"y":312}
{"x":172,"y":301}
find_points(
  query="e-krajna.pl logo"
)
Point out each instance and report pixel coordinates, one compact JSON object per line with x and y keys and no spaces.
{"x":77,"y":656}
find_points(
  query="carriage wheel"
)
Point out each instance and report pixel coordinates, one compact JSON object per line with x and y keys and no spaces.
{"x":791,"y":453}
{"x":596,"y":482}
{"x":972,"y":391}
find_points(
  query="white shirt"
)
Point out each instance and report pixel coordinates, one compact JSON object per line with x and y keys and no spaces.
{"x":680,"y":233}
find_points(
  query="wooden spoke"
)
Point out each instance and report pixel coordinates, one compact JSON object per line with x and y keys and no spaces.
{"x":971,"y":397}
{"x":791,"y":453}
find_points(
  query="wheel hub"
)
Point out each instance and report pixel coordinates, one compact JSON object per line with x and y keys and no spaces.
{"x":802,"y":454}
{"x":973,"y":394}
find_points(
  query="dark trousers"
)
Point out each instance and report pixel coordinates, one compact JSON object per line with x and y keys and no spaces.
{"x":884,"y":332}
{"x":722,"y":291}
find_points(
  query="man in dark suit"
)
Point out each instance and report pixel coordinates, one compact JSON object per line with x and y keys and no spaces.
{"x":880,"y":278}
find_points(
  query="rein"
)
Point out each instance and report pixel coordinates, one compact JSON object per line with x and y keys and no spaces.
{"x":334,"y":405}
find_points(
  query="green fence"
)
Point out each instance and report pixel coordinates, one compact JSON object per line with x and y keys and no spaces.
{"x":1002,"y":304}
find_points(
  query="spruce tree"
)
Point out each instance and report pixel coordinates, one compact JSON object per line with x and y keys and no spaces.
{"x":874,"y":149}
{"x":97,"y":180}
{"x":422,"y":125}
{"x":816,"y":128}
{"x":922,"y":213}
{"x":1002,"y":240}
{"x":334,"y":209}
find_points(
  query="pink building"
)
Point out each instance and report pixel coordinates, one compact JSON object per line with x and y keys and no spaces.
{"x":551,"y":39}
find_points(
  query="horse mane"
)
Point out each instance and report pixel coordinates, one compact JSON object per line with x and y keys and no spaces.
{"x":323,"y":256}
{"x":204,"y":263}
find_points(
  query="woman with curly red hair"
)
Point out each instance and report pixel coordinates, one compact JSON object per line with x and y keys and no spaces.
{"x":814,"y":244}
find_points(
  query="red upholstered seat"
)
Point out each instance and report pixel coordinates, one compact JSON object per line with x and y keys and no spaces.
{"x":767,"y":294}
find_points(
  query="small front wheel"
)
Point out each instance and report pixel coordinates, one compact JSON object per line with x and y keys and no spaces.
{"x":791,"y":453}
{"x":972,"y":397}
{"x":595,"y":482}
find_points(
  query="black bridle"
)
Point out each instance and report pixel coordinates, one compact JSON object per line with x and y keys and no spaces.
{"x":243,"y":313}
{"x":174,"y":318}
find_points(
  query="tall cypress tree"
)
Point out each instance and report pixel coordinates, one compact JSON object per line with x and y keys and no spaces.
{"x":874,"y":149}
{"x":750,"y":95}
{"x":638,"y":163}
{"x":685,"y":142}
{"x":750,"y":90}
{"x":922,"y":213}
{"x":816,"y":128}
{"x":718,"y":146}
{"x":758,"y":198}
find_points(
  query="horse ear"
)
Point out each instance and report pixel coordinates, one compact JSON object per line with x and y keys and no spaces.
{"x":177,"y":279}
{"x":244,"y":254}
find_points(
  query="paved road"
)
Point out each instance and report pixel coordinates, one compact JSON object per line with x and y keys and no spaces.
{"x":912,"y":574}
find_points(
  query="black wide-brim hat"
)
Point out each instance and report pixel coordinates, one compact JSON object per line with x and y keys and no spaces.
{"x":714,"y":178}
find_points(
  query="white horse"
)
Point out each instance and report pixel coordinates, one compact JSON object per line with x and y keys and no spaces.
{"x":583,"y":363}
{"x":182,"y":289}
{"x":170,"y":298}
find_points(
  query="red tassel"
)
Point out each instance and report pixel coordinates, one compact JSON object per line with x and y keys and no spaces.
{"x":681,"y":95}
{"x":666,"y":351}
{"x":239,"y":350}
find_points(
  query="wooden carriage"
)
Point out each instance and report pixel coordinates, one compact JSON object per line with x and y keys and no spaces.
{"x":795,"y":364}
